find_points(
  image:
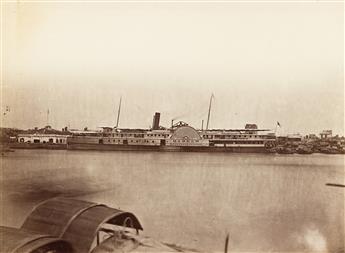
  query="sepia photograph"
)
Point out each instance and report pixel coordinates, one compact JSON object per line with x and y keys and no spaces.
{"x":172,"y":126}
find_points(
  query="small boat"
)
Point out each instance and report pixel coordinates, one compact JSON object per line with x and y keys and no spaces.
{"x":14,"y":240}
{"x":92,"y":228}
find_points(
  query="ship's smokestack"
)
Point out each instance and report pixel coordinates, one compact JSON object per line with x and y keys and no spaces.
{"x":155,"y":123}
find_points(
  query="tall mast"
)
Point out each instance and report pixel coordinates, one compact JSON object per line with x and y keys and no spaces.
{"x":118,"y":113}
{"x":209,"y":112}
{"x":48,"y":117}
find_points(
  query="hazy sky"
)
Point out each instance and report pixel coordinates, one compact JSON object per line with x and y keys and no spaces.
{"x":264,"y":62}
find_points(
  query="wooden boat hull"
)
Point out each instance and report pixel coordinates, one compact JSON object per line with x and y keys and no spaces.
{"x":110,"y":147}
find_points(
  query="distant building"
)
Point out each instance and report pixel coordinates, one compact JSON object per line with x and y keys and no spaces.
{"x":43,"y":135}
{"x":326,"y":134}
{"x":294,"y":137}
{"x":311,"y":137}
{"x":42,"y":138}
{"x":290,"y":138}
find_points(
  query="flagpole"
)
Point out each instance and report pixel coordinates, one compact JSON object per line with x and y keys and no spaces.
{"x":209,"y":111}
{"x":118,"y":114}
{"x":277,"y":124}
{"x":48,"y":117}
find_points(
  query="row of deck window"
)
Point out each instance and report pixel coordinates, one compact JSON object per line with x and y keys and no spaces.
{"x":185,"y":140}
{"x":204,"y":136}
{"x":243,"y":142}
{"x":157,"y":135}
{"x":230,"y":136}
{"x":51,"y":140}
{"x":150,"y":141}
{"x":131,"y":141}
{"x":140,"y":135}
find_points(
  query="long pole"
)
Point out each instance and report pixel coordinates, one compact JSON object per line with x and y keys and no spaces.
{"x":226,"y":243}
{"x":336,"y":185}
{"x":48,"y":117}
{"x":118,"y":113}
{"x":209,"y":112}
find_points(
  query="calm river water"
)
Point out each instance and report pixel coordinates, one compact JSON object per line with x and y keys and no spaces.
{"x":265,"y":202}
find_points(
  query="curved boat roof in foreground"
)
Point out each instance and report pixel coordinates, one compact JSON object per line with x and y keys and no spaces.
{"x":13,"y":240}
{"x":76,"y":221}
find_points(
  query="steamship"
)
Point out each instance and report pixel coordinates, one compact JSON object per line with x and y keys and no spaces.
{"x":179,"y":137}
